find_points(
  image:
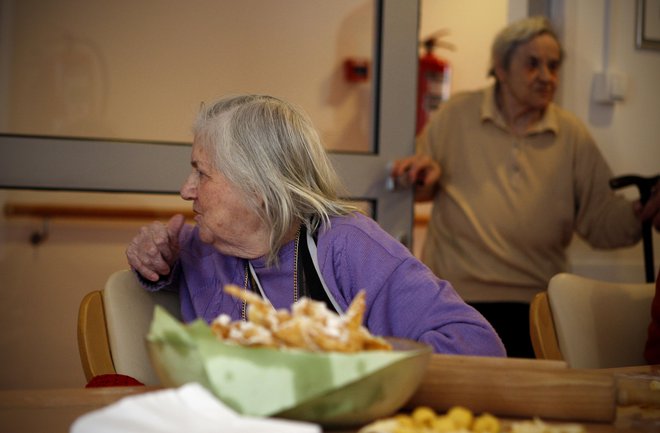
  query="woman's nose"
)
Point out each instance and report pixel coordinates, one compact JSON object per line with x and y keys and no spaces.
{"x":545,"y":73}
{"x":188,"y":189}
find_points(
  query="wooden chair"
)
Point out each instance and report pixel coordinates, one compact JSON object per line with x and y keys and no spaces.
{"x":542,"y":329}
{"x":113,"y":323}
{"x":591,"y":323}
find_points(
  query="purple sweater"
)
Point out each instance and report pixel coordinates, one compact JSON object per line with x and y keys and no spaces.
{"x":404,"y":298}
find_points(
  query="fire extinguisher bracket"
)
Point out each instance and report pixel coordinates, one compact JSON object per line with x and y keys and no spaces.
{"x":356,"y":70}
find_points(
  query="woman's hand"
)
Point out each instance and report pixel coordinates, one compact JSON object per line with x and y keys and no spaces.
{"x":651,"y":210}
{"x":421,"y":171}
{"x":155,"y":249}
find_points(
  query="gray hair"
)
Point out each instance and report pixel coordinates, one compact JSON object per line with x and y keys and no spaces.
{"x":270,"y":150}
{"x":516,"y":34}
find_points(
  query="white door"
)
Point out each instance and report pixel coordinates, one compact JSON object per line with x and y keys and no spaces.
{"x":48,"y":161}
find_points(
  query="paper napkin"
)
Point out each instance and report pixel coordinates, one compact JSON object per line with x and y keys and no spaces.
{"x":190,"y":408}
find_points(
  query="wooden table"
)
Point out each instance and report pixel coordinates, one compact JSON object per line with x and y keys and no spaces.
{"x":54,"y":410}
{"x":451,"y":380}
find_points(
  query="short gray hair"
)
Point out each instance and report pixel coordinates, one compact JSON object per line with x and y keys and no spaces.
{"x":270,"y":150}
{"x":516,"y":34}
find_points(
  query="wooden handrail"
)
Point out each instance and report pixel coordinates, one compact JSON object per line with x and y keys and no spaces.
{"x":59,"y":211}
{"x":49,"y":211}
{"x":52,"y":211}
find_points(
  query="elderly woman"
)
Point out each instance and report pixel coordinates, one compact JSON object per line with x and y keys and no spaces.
{"x":269,"y":219}
{"x":512,"y":176}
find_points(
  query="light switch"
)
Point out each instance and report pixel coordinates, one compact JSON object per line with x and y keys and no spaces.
{"x":609,"y":87}
{"x":618,"y":87}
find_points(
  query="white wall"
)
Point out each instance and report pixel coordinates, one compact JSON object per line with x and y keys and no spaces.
{"x":472,"y":24}
{"x":94,"y":68}
{"x":627,"y":132}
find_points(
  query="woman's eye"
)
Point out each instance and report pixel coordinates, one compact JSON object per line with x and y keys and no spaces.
{"x":198,"y":173}
{"x":533,"y":63}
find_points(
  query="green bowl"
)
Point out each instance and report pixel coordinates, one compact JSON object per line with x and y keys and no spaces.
{"x":377,"y":395}
{"x":331,"y":389}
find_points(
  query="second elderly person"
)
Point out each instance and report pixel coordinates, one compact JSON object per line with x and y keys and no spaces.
{"x":512,"y":176}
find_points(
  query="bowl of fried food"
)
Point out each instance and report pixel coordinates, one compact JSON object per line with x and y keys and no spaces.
{"x":306,"y":364}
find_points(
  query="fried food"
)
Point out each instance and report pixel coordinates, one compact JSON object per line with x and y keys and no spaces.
{"x":486,"y":423}
{"x":309,"y":326}
{"x":461,"y":416}
{"x":459,"y":419}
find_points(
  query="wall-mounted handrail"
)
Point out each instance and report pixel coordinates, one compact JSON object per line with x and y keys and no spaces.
{"x":91,"y":212}
{"x":48,"y":212}
{"x":75,"y":211}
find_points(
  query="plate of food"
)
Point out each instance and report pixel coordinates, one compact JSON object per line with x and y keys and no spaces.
{"x":307,"y":364}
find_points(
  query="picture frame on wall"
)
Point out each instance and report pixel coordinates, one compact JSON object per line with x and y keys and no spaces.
{"x":648,"y":24}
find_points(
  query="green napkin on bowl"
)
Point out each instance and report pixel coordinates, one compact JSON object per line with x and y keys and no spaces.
{"x":266,"y":381}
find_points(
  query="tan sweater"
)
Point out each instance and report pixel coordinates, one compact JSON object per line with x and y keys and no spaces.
{"x":508,"y":205}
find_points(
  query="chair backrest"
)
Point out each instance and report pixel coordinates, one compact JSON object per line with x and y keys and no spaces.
{"x":600,"y":324}
{"x":542,"y":329}
{"x":93,"y":343}
{"x":127,"y":310}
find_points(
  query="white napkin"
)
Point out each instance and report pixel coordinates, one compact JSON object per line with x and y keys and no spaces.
{"x":190,"y":408}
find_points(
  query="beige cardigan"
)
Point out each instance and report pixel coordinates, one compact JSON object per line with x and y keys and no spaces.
{"x":508,"y":205}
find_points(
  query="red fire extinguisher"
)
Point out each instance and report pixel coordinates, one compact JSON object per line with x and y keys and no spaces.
{"x":433,"y":81}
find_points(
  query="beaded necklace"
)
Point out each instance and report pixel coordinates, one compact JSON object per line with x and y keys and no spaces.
{"x":246,"y":282}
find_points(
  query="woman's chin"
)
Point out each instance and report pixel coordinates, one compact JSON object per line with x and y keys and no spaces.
{"x":205,"y":236}
{"x":543,"y":100}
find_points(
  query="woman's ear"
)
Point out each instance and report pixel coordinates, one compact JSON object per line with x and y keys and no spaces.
{"x":500,"y":72}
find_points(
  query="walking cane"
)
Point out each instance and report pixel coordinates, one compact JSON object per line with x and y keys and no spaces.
{"x":645,"y":185}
